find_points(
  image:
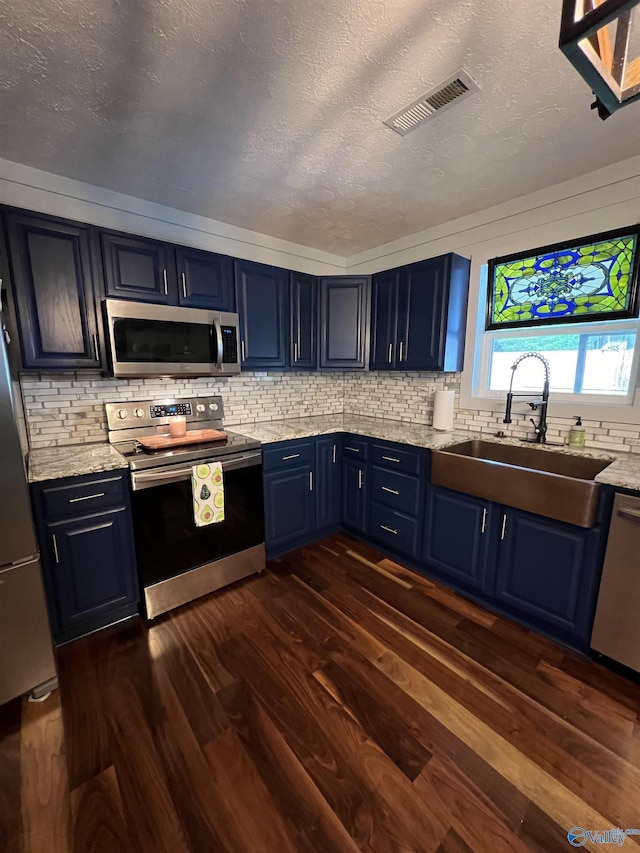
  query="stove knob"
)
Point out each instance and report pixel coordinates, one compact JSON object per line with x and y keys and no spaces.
{"x":121,"y":414}
{"x":200,"y":407}
{"x":213,"y":407}
{"x":139,"y":413}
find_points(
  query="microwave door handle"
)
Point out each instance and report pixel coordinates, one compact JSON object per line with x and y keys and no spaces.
{"x":218,"y":328}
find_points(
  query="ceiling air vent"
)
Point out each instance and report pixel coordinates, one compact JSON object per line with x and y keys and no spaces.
{"x":453,"y":90}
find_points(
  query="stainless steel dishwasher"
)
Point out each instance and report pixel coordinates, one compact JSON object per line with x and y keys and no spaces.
{"x":616,"y":629}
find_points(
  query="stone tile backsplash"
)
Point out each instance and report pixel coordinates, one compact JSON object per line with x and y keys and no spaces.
{"x":64,"y":409}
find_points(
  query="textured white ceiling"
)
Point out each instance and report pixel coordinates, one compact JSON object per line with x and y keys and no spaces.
{"x":267,"y":114}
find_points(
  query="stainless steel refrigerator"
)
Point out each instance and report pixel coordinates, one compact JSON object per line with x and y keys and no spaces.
{"x":27,"y":663}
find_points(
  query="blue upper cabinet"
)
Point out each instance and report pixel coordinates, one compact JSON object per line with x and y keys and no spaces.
{"x":303,"y":313}
{"x":262,"y":302}
{"x":419,"y":315}
{"x":135,"y":268}
{"x":56,"y":286}
{"x":205,"y":280}
{"x":344,"y":322}
{"x":384,"y":319}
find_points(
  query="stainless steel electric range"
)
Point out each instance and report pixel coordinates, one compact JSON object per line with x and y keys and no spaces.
{"x":177,"y":561}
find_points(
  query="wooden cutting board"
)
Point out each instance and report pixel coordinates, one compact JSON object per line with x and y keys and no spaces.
{"x":192,"y":436}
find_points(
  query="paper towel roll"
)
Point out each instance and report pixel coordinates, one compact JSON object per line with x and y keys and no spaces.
{"x":443,"y":410}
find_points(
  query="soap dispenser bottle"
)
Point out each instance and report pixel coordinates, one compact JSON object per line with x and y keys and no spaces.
{"x":576,"y":434}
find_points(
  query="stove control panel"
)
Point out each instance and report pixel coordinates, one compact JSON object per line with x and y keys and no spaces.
{"x":152,"y":415}
{"x":168,"y":410}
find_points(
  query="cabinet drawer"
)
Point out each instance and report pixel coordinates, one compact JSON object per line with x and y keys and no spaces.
{"x":398,"y":491}
{"x":397,"y":531}
{"x":406,"y":461}
{"x":354,"y":448}
{"x":290,"y":454}
{"x":86,"y":496}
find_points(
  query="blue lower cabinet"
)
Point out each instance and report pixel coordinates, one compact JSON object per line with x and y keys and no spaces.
{"x":92,"y":572}
{"x":88,"y":557}
{"x":354,"y":495}
{"x":457,"y":540}
{"x":289,"y":508}
{"x":547,"y":572}
{"x":394,"y":529}
{"x":328,"y":482}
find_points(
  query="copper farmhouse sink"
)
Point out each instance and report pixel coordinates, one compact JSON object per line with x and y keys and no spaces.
{"x":556,"y":485}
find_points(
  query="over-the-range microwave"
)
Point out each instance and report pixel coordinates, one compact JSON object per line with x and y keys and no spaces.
{"x":162,"y":340}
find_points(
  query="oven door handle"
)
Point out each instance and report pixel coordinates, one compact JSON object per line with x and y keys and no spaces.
{"x":148,"y":479}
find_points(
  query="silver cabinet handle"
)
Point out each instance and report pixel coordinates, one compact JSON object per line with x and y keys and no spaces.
{"x":390,"y":459}
{"x":390,"y":352}
{"x":291,"y":456}
{"x":484,"y":520}
{"x":86,"y":498}
{"x":352,"y":449}
{"x":359,"y":478}
{"x":389,"y":529}
{"x":242,"y":350}
{"x":55,"y":548}
{"x":401,"y":348}
{"x":94,"y":338}
{"x":295,"y":351}
{"x":310,"y":481}
{"x":387,"y":489}
{"x":184,"y":285}
{"x":166,"y":285}
{"x":333,"y":455}
{"x":504,"y":526}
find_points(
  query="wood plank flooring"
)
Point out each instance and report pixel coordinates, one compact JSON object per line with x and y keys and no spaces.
{"x":338,"y":702}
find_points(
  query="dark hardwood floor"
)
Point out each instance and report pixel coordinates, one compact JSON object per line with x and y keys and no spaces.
{"x":338,"y":702}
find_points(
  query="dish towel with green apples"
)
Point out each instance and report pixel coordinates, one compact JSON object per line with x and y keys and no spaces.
{"x":207,"y":486}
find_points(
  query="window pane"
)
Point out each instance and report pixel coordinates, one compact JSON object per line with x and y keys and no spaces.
{"x":607,"y":366}
{"x":561,"y":351}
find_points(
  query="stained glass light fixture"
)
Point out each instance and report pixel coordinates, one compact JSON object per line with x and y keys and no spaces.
{"x":601,"y":39}
{"x":593,"y":278}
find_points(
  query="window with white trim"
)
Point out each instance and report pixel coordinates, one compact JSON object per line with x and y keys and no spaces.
{"x":591,"y":362}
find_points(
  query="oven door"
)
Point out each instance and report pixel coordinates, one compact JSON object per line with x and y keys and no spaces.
{"x":168,"y":543}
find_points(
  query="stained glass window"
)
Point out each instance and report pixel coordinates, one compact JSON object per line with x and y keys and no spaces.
{"x":592,"y":279}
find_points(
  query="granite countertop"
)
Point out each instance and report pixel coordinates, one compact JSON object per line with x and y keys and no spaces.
{"x":51,"y":463}
{"x":72,"y":460}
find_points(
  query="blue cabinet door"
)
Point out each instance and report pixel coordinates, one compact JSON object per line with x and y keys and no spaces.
{"x":344,"y":329}
{"x":384,"y":318}
{"x":303,"y":311}
{"x":261,"y":299}
{"x":288,"y":506}
{"x":135,"y":268}
{"x":91,"y":568}
{"x":458,"y":534}
{"x":354,"y":495}
{"x":421,"y":316}
{"x":547,"y":572}
{"x":328,"y":482}
{"x":205,"y":280}
{"x":56,"y":291}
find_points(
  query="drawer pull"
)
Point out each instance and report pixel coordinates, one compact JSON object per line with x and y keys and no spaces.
{"x":333,"y":455}
{"x":392,"y":491}
{"x":291,"y":456}
{"x":166,"y":285}
{"x":359,"y":479}
{"x":244,"y":358}
{"x":55,"y":548}
{"x":390,"y":459}
{"x":401,"y":349}
{"x":484,"y":520}
{"x":389,"y":529}
{"x":352,"y":449}
{"x":310,"y":481}
{"x":86,"y":498}
{"x":390,"y":352}
{"x":184,"y":286}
